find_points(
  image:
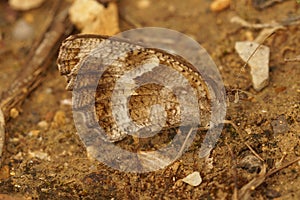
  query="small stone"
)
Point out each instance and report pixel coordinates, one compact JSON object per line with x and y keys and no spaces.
{"x":14,"y":113}
{"x":142,"y":4}
{"x":67,"y":102}
{"x":259,"y":62}
{"x":43,"y":124}
{"x":22,"y":30}
{"x":34,"y":133}
{"x":25,"y":4}
{"x":248,"y":131}
{"x":39,"y":154}
{"x":279,"y":125}
{"x":193,"y":179}
{"x":219,"y":5}
{"x":92,"y":17}
{"x":18,"y":156}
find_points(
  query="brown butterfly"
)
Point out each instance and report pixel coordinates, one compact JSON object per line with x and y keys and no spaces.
{"x":111,"y":75}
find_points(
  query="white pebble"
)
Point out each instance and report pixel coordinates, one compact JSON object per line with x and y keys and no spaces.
{"x":43,"y":124}
{"x":259,"y":62}
{"x":25,"y":4}
{"x":92,"y":17}
{"x":193,"y":179}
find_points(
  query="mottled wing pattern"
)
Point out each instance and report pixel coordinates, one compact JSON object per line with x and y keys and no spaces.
{"x":81,"y":50}
{"x":72,"y":52}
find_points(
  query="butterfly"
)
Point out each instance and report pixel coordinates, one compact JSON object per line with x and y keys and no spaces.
{"x":134,"y":90}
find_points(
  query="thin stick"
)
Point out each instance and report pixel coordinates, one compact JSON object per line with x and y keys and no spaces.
{"x":252,"y":150}
{"x":184,"y":143}
{"x":296,"y":59}
{"x":273,"y":171}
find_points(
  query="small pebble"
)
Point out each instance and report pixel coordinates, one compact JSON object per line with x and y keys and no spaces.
{"x":39,"y":154}
{"x":67,"y":102}
{"x":193,"y":179}
{"x":14,"y":113}
{"x":25,"y":4}
{"x":279,"y":125}
{"x":219,"y":5}
{"x":18,"y":156}
{"x":91,"y":17}
{"x":43,"y":124}
{"x":248,"y":131}
{"x":34,"y":133}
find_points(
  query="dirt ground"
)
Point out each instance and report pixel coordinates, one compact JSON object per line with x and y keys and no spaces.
{"x":45,"y":159}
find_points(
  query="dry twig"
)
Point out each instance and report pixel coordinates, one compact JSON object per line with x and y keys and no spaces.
{"x":274,"y":24}
{"x":296,"y":59}
{"x":244,"y":23}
